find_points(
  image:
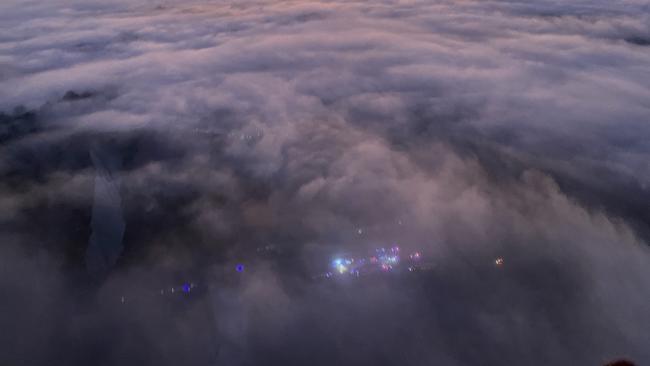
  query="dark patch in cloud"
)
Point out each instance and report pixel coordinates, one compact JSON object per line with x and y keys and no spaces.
{"x":638,"y":41}
{"x":71,"y":96}
{"x":16,"y":124}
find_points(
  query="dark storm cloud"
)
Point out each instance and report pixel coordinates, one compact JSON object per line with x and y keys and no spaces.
{"x":469,"y":130}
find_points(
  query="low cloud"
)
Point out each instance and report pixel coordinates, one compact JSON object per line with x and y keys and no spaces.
{"x":277,"y":134}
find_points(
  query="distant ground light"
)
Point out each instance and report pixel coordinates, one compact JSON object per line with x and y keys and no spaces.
{"x":498,"y":262}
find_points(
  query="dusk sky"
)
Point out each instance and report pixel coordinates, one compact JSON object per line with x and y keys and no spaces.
{"x":212,"y":182}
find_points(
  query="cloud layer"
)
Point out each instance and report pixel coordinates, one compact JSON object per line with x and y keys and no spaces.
{"x":469,"y":130}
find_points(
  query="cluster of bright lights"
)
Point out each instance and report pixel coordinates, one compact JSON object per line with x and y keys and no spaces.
{"x":342,"y":265}
{"x":383,"y":260}
{"x":387,"y":259}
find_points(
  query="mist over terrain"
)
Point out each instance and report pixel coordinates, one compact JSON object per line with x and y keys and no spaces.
{"x":148,"y":143}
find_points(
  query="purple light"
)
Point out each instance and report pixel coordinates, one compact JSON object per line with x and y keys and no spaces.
{"x":239,"y":268}
{"x":186,"y":288}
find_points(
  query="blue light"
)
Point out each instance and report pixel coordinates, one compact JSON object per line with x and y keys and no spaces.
{"x":186,"y":288}
{"x":239,"y":268}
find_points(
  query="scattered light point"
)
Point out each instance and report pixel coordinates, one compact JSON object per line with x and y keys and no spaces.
{"x":498,"y":262}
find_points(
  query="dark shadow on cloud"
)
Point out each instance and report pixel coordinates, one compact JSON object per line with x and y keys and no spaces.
{"x":638,"y":41}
